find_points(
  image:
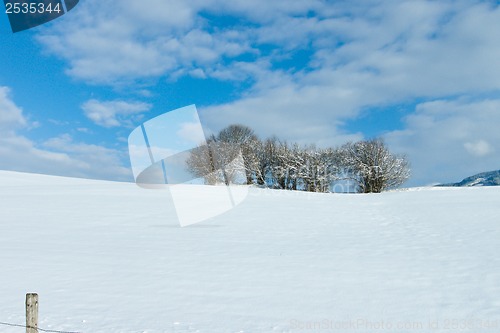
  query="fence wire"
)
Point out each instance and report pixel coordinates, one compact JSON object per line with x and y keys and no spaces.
{"x":37,"y":328}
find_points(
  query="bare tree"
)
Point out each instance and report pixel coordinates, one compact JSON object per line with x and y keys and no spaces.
{"x":236,"y":155}
{"x":267,"y":157}
{"x":262,"y":165}
{"x":235,"y":138}
{"x":370,"y":164}
{"x":226,"y":156}
{"x":294,"y":161}
{"x":203,"y":163}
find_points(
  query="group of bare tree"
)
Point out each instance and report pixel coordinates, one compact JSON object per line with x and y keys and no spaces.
{"x":237,"y":155}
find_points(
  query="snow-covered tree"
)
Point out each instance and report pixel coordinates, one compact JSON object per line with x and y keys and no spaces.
{"x":370,"y":164}
{"x":294,"y":160}
{"x":202,"y":163}
{"x":265,"y":153}
{"x":319,"y":168}
{"x":239,"y":138}
{"x":228,"y":157}
{"x":236,"y":155}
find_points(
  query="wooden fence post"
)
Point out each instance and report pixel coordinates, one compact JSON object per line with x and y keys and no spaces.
{"x":31,"y":313}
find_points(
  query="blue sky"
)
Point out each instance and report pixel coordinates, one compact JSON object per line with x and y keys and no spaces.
{"x":425,"y":75}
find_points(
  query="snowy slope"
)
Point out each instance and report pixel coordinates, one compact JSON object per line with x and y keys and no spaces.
{"x":110,"y":257}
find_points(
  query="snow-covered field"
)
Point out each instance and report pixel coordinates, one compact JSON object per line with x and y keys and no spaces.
{"x":110,"y":257}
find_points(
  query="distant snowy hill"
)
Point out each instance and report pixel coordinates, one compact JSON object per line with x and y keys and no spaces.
{"x":110,"y":257}
{"x":491,"y":178}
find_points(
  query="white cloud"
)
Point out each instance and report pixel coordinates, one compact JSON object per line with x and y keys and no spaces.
{"x":84,"y":130}
{"x":87,"y":159}
{"x":11,"y":116}
{"x":405,"y":40}
{"x":280,"y":112}
{"x":115,"y":43}
{"x":114,"y":113}
{"x":449,"y":140}
{"x":61,"y":156}
{"x":478,"y":148}
{"x":58,"y":156}
{"x":264,"y":11}
{"x":192,"y":132}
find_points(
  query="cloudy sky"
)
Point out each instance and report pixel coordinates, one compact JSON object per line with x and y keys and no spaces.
{"x":425,"y":75}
